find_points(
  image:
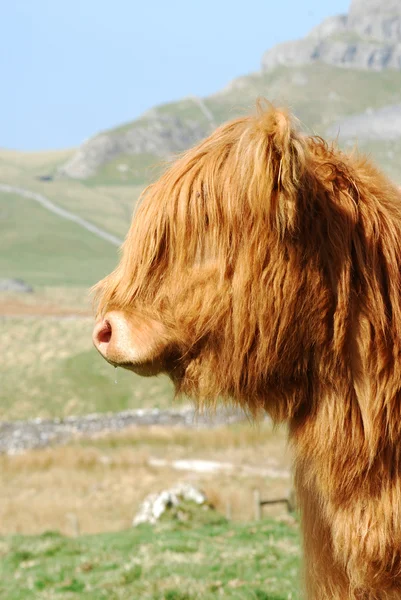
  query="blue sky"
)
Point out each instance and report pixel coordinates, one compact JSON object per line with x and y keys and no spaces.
{"x":71,"y":68}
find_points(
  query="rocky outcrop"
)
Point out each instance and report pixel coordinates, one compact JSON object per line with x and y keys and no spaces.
{"x":330,"y":26}
{"x":369,"y":37}
{"x":339,"y":53}
{"x":160,"y":136}
{"x":379,"y":19}
{"x":156,"y":505}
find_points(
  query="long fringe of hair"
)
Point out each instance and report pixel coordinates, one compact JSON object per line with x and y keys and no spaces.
{"x":274,"y":260}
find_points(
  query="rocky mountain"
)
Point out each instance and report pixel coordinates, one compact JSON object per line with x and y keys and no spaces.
{"x":379,"y":19}
{"x":369,"y":37}
{"x":343,"y":79}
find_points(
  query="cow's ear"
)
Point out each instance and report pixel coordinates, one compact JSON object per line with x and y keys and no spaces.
{"x":283,"y":163}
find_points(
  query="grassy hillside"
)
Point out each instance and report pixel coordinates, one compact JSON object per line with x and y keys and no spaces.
{"x":256,"y":561}
{"x":44,"y":249}
{"x":318,"y":94}
{"x":109,"y":207}
{"x":128,"y":170}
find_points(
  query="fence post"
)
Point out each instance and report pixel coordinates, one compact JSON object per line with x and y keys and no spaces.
{"x":74,"y":524}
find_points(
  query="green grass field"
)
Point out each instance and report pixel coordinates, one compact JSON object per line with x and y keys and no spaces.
{"x":172,"y":561}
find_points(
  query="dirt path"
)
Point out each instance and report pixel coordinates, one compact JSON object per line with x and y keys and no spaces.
{"x":61,"y":212}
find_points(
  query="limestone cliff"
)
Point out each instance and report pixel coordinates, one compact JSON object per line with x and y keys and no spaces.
{"x":369,"y":37}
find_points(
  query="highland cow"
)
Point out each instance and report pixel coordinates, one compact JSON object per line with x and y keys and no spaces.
{"x":264,"y":267}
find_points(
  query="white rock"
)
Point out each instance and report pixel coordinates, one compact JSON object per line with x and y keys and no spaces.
{"x":155,"y":505}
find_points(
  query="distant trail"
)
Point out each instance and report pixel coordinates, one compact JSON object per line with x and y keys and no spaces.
{"x":61,"y":212}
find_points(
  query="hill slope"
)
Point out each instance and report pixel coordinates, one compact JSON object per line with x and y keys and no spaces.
{"x":320,"y":95}
{"x":348,"y":65}
{"x":44,"y":249}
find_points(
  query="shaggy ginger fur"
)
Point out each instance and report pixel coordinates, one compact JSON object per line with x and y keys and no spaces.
{"x":264,"y":266}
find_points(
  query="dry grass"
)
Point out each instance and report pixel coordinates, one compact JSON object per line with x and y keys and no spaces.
{"x":100,"y":483}
{"x":54,"y":301}
{"x":35,"y":343}
{"x":49,"y":368}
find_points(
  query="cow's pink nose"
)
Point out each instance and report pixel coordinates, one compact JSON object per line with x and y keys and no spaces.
{"x":102,"y":335}
{"x":130,"y":341}
{"x":112,"y":337}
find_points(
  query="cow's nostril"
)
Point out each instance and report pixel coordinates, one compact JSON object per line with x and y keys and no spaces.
{"x":104,"y":333}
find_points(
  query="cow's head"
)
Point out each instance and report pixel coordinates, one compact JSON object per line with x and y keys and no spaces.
{"x":234,"y":266}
